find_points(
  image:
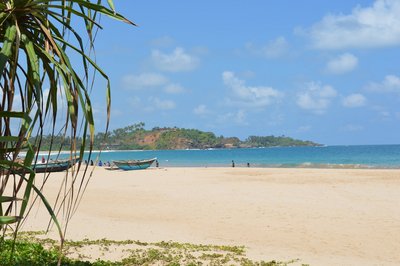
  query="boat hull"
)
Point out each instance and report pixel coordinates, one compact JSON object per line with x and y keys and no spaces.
{"x":56,"y":166}
{"x":127,"y":165}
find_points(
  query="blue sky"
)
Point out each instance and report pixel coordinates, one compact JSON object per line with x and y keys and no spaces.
{"x":326,"y":71}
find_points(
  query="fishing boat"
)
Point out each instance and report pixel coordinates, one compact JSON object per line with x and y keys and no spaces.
{"x":134,"y":164}
{"x":53,"y":166}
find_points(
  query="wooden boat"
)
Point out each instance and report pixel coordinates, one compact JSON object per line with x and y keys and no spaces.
{"x":53,"y":166}
{"x":134,"y":164}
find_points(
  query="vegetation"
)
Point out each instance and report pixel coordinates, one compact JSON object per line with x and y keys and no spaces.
{"x":272,"y":141}
{"x":41,"y":88}
{"x":136,"y":137}
{"x":34,"y":250}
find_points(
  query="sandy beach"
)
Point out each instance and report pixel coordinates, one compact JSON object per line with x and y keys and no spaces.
{"x":320,"y":216}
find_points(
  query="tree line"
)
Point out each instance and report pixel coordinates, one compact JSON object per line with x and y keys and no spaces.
{"x":136,"y":137}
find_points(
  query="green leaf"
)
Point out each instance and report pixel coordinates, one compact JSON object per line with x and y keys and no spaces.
{"x":6,"y":51}
{"x":9,"y":219}
{"x":8,"y":199}
{"x":111,"y":4}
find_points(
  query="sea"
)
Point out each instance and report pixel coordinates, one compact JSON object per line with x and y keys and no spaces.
{"x":363,"y":156}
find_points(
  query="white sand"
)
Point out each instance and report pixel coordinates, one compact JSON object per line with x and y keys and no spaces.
{"x":321,"y":216}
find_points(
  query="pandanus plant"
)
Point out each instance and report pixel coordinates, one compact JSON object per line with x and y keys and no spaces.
{"x":40,"y":40}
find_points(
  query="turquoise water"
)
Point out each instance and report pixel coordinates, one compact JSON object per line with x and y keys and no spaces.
{"x":366,"y":156}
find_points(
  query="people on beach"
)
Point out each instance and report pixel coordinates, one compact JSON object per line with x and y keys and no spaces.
{"x":233,"y":163}
{"x":248,"y":164}
{"x":100,"y":163}
{"x":43,"y":159}
{"x":91,"y":163}
{"x":157,"y":163}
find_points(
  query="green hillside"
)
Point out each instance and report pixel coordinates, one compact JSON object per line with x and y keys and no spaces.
{"x":136,"y":137}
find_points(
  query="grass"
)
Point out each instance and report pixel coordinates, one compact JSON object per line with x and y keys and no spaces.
{"x":33,"y":249}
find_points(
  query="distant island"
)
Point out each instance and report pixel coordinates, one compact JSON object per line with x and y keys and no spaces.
{"x":136,"y":137}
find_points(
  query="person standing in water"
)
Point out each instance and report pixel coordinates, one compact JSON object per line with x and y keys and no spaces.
{"x":233,"y":163}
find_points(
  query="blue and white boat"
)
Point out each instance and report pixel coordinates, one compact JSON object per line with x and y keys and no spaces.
{"x":134,"y":164}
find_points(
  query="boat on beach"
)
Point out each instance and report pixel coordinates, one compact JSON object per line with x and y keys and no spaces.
{"x":53,"y":166}
{"x":134,"y":164}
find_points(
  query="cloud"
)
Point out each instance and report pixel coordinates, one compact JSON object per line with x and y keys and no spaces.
{"x":150,"y":105}
{"x":354,"y":100}
{"x":342,"y":64}
{"x":273,"y":49}
{"x":247,"y":96}
{"x":374,"y":26}
{"x":316,"y":98}
{"x":201,"y":110}
{"x":174,"y":88}
{"x":238,"y":118}
{"x":162,"y":104}
{"x":144,"y":80}
{"x":178,"y":61}
{"x":390,"y":84}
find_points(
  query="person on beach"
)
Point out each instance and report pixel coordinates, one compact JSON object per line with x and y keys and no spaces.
{"x":157,"y":163}
{"x":91,"y":162}
{"x":100,"y":163}
{"x":43,"y":159}
{"x":248,"y":164}
{"x":233,"y":163}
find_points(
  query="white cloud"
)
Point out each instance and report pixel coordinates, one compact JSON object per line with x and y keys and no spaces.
{"x":248,"y":96}
{"x":144,"y":80}
{"x":342,"y":64}
{"x":150,"y":105}
{"x":374,"y":26}
{"x":391,"y":83}
{"x":354,"y":100}
{"x":178,"y":61}
{"x":162,"y":104}
{"x":201,"y":110}
{"x":273,"y":49}
{"x":238,"y":118}
{"x":174,"y":88}
{"x":316,"y":98}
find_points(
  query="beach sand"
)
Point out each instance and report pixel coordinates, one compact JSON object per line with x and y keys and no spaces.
{"x":320,"y":216}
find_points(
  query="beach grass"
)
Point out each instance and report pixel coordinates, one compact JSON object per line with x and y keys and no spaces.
{"x":33,"y":248}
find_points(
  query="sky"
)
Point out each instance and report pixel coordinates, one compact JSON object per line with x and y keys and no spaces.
{"x":326,"y":71}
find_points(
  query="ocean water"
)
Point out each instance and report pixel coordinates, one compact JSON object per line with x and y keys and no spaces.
{"x":365,"y":156}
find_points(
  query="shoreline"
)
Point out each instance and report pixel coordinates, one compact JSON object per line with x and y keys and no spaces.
{"x":364,"y":157}
{"x":320,"y":216}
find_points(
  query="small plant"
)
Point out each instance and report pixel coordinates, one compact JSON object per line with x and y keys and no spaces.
{"x":32,"y":249}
